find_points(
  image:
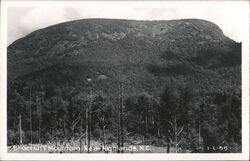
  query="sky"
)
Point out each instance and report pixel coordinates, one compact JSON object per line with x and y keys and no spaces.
{"x":229,"y":16}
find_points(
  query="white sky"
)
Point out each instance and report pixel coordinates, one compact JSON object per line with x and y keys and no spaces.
{"x":228,"y":15}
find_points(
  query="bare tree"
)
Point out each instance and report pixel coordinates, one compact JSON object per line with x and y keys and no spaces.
{"x":176,"y":132}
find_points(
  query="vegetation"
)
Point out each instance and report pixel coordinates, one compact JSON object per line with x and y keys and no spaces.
{"x":179,"y":118}
{"x":170,"y":84}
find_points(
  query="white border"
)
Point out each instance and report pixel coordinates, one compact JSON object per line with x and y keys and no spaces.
{"x":41,"y":156}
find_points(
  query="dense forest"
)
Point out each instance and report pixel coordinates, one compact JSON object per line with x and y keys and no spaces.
{"x":170,"y":84}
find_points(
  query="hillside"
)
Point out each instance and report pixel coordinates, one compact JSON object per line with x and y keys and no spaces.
{"x":144,"y":56}
{"x":141,"y":51}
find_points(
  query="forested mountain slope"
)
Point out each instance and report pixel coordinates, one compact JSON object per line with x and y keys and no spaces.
{"x":152,"y":61}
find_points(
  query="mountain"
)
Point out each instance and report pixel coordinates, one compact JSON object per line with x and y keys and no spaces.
{"x":144,"y":54}
{"x":157,"y":81}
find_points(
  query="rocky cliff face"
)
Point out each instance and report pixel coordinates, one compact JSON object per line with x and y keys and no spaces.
{"x":144,"y":54}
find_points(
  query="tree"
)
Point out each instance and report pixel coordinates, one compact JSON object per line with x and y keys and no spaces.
{"x":19,"y":113}
{"x":102,"y":113}
{"x":175,"y":113}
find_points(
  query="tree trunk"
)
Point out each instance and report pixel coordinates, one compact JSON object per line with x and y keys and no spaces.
{"x":30,"y":117}
{"x":20,"y":130}
{"x":64,"y":130}
{"x":199,"y":139}
{"x":86,"y":129}
{"x":119,"y":118}
{"x":56,"y":141}
{"x":168,"y":147}
{"x":89,"y":123}
{"x":175,"y":136}
{"x":39,"y":123}
{"x":15,"y":121}
{"x":104,"y":137}
{"x":158,"y":131}
{"x":122,"y":128}
{"x":81,"y":136}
